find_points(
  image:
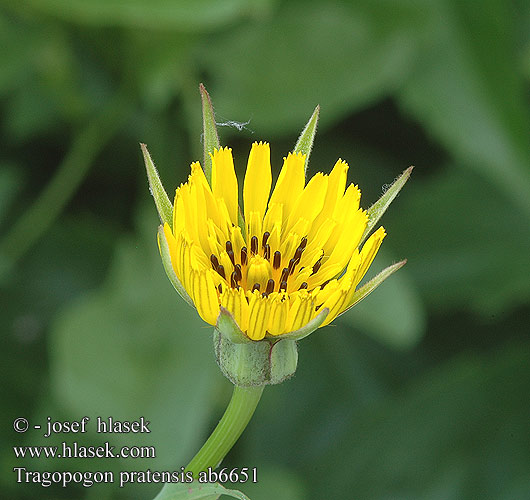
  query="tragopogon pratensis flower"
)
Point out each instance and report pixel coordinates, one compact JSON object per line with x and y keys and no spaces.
{"x":297,"y":253}
{"x":270,"y":270}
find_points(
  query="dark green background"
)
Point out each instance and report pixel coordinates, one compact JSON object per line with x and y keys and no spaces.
{"x":420,"y":392}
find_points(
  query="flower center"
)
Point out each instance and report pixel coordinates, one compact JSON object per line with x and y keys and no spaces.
{"x":257,"y":269}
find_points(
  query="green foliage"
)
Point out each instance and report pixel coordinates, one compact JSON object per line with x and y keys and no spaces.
{"x":417,"y":392}
{"x":467,"y":92}
{"x":113,"y":347}
{"x":424,"y":442}
{"x":184,"y":15}
{"x":208,"y":491}
{"x":477,"y":253}
{"x":393,"y":314}
{"x":339,"y":55}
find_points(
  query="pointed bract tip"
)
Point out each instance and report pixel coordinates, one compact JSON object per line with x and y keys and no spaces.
{"x":205,"y":96}
{"x":400,"y":264}
{"x":162,"y":202}
{"x":314,"y":117}
{"x":209,"y":132}
{"x":204,"y":92}
{"x":307,"y":137}
{"x":376,"y":211}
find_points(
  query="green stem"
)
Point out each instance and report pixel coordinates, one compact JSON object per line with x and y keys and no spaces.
{"x":235,"y":419}
{"x":41,"y":214}
{"x":230,"y":427}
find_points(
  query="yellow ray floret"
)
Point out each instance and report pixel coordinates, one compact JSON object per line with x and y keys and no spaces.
{"x":224,"y":181}
{"x":258,"y":180}
{"x":297,"y":253}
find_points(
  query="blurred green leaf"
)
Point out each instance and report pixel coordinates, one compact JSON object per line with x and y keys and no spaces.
{"x":459,"y":433}
{"x":336,"y":54}
{"x":18,"y":49}
{"x":275,"y":482}
{"x":10,"y":181}
{"x":30,"y":111}
{"x":158,"y":62}
{"x":134,"y":348}
{"x":338,"y":372}
{"x":70,"y":259}
{"x":394,"y":313}
{"x":206,"y":491}
{"x":183,"y":15}
{"x":467,"y":90}
{"x":41,"y":77}
{"x":455,"y":431}
{"x":470,"y":243}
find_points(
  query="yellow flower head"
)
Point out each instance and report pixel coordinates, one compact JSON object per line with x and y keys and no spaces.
{"x":294,"y":252}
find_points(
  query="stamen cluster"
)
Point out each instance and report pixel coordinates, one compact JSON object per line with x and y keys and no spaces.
{"x":254,"y":270}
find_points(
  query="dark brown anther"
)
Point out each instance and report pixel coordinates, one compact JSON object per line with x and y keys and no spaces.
{"x":233,"y":280}
{"x":266,"y":235}
{"x":267,"y":251}
{"x":270,"y":286}
{"x":303,"y":286}
{"x":238,"y":273}
{"x":221,"y":271}
{"x":214,"y":261}
{"x":285,"y":275}
{"x":254,"y":245}
{"x":220,"y":288}
{"x":231,"y":256}
{"x":317,"y":265}
{"x":292,"y":265}
{"x":243,"y":256}
{"x":228,"y":246}
{"x":303,"y":243}
{"x":298,"y":254}
{"x":277,"y":260}
{"x":256,"y":287}
{"x":283,"y":286}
